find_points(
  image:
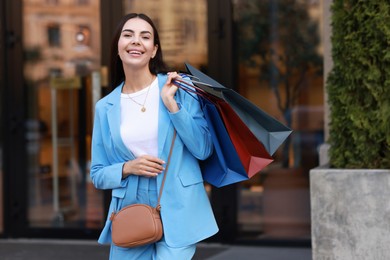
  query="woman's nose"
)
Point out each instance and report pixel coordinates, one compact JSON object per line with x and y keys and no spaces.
{"x":135,"y":40}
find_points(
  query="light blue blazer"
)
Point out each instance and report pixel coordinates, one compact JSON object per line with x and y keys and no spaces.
{"x":185,"y":208}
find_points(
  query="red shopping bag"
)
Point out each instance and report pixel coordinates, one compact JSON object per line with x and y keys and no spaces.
{"x":251,"y":151}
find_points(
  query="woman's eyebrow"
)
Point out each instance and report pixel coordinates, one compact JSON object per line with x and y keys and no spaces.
{"x":129,"y":30}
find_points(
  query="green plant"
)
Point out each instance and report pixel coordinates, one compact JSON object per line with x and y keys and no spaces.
{"x":359,"y":84}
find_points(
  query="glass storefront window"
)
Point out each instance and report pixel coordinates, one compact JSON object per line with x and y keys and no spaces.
{"x":279,"y":56}
{"x":62,"y":54}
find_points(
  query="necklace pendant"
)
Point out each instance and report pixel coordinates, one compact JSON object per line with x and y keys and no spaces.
{"x":143,"y":109}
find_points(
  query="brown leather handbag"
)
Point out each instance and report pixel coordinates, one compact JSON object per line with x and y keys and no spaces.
{"x":139,"y":224}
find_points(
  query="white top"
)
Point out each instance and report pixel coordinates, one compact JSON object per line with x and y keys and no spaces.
{"x":139,"y":130}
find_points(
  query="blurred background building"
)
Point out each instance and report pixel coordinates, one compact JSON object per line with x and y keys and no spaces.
{"x":53,"y":68}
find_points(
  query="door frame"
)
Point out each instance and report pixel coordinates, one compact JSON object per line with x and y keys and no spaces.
{"x":221,"y":67}
{"x":14,"y":153}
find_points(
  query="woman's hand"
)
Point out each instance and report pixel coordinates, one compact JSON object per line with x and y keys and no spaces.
{"x":168,"y":93}
{"x":145,"y":165}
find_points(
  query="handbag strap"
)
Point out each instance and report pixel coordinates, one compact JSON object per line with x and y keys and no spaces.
{"x":166,"y":170}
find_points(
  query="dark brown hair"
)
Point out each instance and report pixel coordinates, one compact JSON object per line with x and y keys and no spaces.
{"x":156,"y":65}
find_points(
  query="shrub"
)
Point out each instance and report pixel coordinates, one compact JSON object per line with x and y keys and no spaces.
{"x":359,"y":84}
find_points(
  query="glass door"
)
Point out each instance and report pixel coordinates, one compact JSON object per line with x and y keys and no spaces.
{"x":279,"y":55}
{"x":61,"y":45}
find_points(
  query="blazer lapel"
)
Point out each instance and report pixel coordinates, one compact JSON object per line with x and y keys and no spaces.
{"x":163,"y":119}
{"x":114,"y":122}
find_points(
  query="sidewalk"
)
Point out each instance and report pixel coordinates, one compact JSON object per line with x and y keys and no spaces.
{"x":44,"y":249}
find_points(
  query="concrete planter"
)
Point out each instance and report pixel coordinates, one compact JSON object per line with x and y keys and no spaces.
{"x":350,"y":214}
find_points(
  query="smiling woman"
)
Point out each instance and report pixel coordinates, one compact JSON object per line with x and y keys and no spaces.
{"x":130,"y":158}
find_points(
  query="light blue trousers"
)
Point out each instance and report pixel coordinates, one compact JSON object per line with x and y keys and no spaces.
{"x":147,"y":194}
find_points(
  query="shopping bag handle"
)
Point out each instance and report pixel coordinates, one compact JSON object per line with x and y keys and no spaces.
{"x":189,"y":88}
{"x":195,"y":79}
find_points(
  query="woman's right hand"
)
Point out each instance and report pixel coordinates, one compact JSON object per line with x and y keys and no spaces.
{"x":168,"y":92}
{"x":145,"y":165}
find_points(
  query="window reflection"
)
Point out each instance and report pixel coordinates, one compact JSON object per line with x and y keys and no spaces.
{"x":280,"y":70}
{"x":83,"y":35}
{"x":54,"y":35}
{"x":62,"y":50}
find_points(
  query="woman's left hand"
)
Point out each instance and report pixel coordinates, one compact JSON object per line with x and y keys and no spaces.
{"x":168,"y":93}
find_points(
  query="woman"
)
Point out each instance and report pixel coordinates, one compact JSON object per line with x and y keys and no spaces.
{"x":132,"y":134}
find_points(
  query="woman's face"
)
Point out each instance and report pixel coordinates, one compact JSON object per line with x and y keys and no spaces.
{"x":136,"y":43}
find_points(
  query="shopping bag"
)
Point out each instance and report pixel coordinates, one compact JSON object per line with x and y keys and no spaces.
{"x":250,"y":150}
{"x":224,"y":166}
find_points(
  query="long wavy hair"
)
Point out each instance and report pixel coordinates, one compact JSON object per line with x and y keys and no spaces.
{"x":156,"y":65}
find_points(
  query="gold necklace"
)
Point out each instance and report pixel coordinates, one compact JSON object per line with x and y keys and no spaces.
{"x":143,"y":108}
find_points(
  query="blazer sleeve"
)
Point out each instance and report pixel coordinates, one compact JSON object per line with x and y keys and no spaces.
{"x":191,"y":125}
